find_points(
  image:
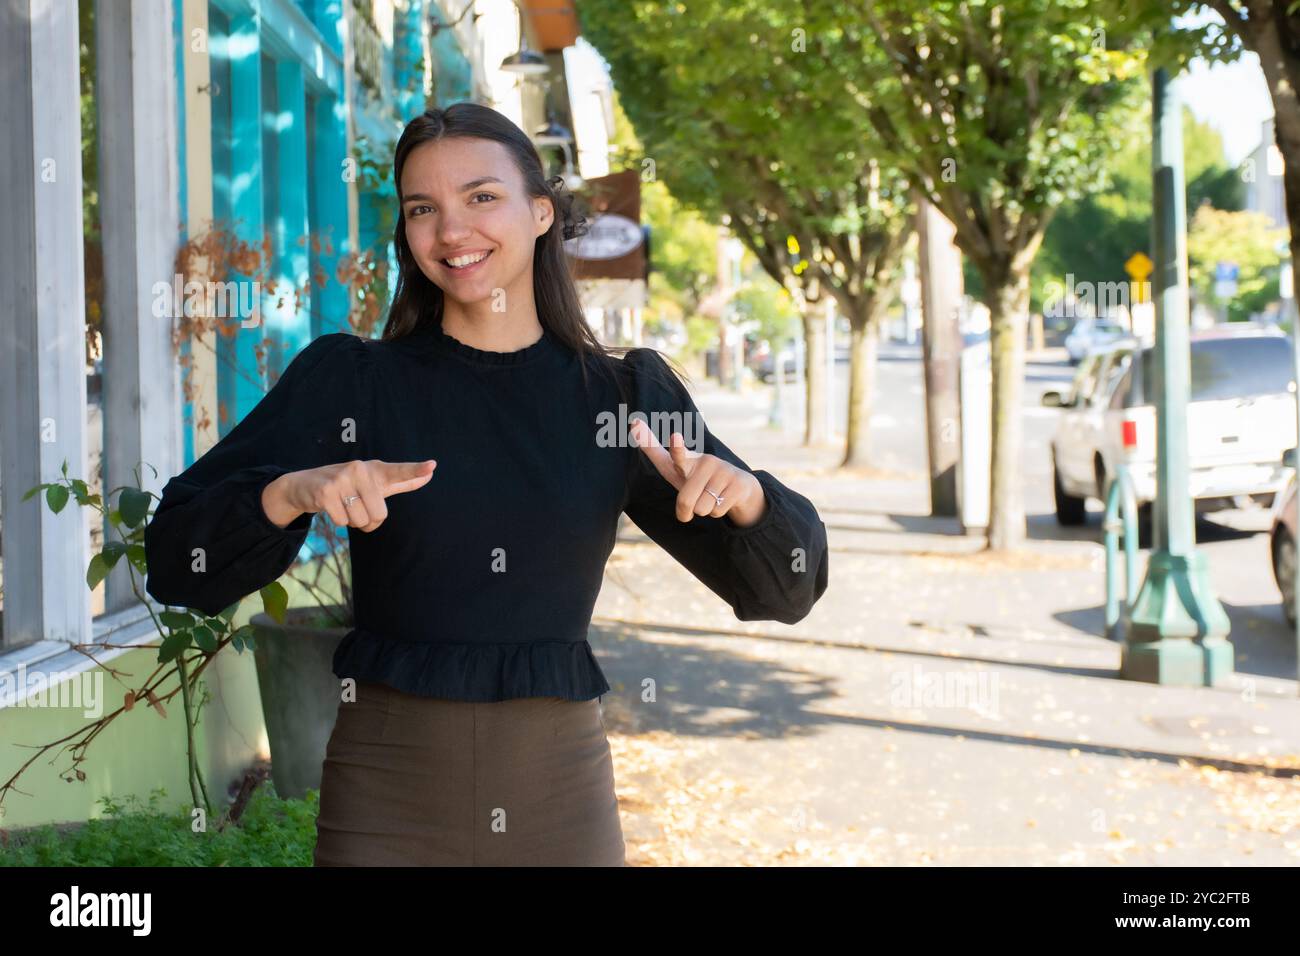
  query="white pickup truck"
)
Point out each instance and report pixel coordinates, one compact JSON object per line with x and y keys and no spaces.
{"x":1240,"y":420}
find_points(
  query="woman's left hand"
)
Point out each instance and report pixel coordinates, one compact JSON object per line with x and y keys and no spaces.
{"x":695,"y":474}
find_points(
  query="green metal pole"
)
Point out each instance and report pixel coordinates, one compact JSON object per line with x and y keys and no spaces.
{"x":1177,"y":633}
{"x":1121,"y":516}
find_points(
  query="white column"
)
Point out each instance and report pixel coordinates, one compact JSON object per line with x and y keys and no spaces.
{"x":139,"y":211}
{"x":42,"y":338}
{"x":830,"y":365}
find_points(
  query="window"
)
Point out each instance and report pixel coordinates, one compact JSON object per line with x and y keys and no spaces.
{"x":1119,"y":399}
{"x":1244,"y":367}
{"x":1240,"y":368}
{"x":1094,"y":385}
{"x":1084,"y":380}
{"x":1115,"y":366}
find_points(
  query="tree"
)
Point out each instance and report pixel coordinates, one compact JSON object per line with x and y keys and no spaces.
{"x":1247,"y":239}
{"x":999,"y":113}
{"x":682,"y":241}
{"x":770,"y":306}
{"x":1271,"y":30}
{"x":1092,"y":237}
{"x":763,"y":139}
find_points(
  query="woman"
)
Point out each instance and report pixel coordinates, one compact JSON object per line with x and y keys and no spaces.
{"x":470,"y":454}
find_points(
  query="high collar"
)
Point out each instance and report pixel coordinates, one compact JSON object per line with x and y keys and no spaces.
{"x":443,"y":342}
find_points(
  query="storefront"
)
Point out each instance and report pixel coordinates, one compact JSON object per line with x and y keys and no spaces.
{"x":189,"y":200}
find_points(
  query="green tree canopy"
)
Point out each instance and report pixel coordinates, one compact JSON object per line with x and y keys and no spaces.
{"x":1250,"y":241}
{"x":1092,"y":237}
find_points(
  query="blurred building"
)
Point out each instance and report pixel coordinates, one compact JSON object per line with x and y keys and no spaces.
{"x":1262,"y":172}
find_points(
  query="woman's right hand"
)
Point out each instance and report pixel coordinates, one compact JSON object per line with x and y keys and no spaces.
{"x":325,"y":488}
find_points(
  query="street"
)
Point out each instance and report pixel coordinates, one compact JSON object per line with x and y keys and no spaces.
{"x":1235,"y":542}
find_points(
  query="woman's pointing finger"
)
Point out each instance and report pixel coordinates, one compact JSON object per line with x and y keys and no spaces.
{"x":402,"y":476}
{"x":645,"y":439}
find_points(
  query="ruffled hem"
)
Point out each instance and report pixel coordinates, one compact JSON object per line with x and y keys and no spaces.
{"x":482,"y":673}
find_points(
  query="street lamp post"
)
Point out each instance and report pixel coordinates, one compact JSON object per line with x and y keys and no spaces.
{"x":1177,"y":632}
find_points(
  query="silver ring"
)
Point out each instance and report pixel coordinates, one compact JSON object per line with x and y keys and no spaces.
{"x":349,"y":499}
{"x":716,"y":496}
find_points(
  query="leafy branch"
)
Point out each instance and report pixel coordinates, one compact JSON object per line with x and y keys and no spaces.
{"x":189,"y":639}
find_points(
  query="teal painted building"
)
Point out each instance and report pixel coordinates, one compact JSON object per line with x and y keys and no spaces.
{"x":283,"y":178}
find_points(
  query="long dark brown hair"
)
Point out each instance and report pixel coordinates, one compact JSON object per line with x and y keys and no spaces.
{"x":418,"y":302}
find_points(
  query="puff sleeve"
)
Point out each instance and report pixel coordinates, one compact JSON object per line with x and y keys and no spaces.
{"x":209,"y":542}
{"x":773,"y":570}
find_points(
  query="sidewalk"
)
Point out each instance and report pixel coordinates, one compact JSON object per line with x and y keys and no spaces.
{"x":935,"y":707}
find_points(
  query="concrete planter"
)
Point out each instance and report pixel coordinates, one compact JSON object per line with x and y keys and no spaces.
{"x":300,"y":694}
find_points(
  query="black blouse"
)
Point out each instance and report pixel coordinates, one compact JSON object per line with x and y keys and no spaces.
{"x":480,"y":584}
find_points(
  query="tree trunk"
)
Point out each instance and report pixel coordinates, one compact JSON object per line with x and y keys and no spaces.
{"x":864,"y":340}
{"x":814,"y":331}
{"x":1259,"y":31}
{"x":1291,"y":191}
{"x":1280,"y":67}
{"x":941,"y":345}
{"x":1009,"y":305}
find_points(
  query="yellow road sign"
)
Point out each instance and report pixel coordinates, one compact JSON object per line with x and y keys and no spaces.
{"x":1139,"y":266}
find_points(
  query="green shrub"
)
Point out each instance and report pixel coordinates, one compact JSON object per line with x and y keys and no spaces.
{"x":271,"y":832}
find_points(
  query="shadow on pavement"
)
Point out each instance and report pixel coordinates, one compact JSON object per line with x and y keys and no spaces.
{"x":1044,"y":527}
{"x":623,"y":632}
{"x":699,"y":690}
{"x":1262,"y":643}
{"x":1039,"y":527}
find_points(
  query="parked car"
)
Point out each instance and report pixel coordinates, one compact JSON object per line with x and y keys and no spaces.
{"x":1282,"y":538}
{"x":1090,"y":334}
{"x":764,"y":363}
{"x":760,"y":360}
{"x":1240,"y":420}
{"x":766,"y":368}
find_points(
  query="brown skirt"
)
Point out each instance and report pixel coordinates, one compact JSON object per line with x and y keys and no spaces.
{"x":420,"y":781}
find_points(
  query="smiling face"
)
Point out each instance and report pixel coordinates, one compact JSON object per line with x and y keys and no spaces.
{"x":470,"y":223}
